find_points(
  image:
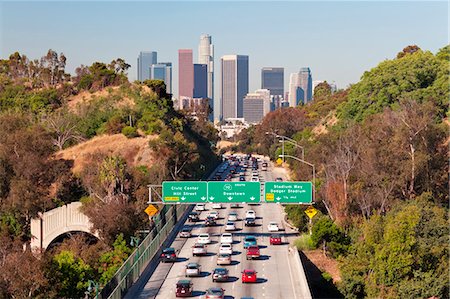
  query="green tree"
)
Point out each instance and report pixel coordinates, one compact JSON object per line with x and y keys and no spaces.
{"x":111,"y":261}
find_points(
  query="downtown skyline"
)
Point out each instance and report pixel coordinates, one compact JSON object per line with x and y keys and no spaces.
{"x":334,"y":52}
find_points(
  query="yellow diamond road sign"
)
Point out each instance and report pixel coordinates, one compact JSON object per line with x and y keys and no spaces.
{"x":151,"y":210}
{"x":311,"y":212}
{"x":279,"y":161}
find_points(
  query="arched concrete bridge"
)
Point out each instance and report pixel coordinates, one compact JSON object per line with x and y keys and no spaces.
{"x":57,"y":222}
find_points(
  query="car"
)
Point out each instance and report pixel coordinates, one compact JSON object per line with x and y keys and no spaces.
{"x":199,"y":249}
{"x":183,"y":288}
{"x":215,"y":293}
{"x":242,"y":178}
{"x":230,"y":226}
{"x":214,"y":214}
{"x":254,"y":179}
{"x":275,"y":239}
{"x":249,"y":241}
{"x":250,"y":214}
{"x":252,"y":252}
{"x":226,"y":238}
{"x":224,"y":259}
{"x":235,"y":205}
{"x":185,"y":232}
{"x":249,"y":275}
{"x":278,"y":179}
{"x":203,"y":238}
{"x":193,"y":217}
{"x":193,"y":269}
{"x":250,"y":222}
{"x":273,"y":227}
{"x":264,"y":166}
{"x":255,"y":173}
{"x":232,"y":216}
{"x":209,"y":221}
{"x":217,"y":205}
{"x":168,"y":255}
{"x":226,"y":248}
{"x":220,"y":274}
{"x":200,"y":207}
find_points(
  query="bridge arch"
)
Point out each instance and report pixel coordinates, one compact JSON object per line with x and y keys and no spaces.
{"x":57,"y":222}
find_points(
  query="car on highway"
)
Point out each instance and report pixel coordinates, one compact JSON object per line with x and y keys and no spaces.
{"x":275,"y":240}
{"x":214,"y":214}
{"x":193,"y":216}
{"x":230,"y":226}
{"x":224,"y":259}
{"x":264,"y":166}
{"x":226,"y":248}
{"x":235,"y":206}
{"x":215,"y":293}
{"x":185,"y":232}
{"x":249,"y":241}
{"x":250,"y":222}
{"x":199,"y":249}
{"x":242,"y":178}
{"x":250,"y":214}
{"x":232,"y":216}
{"x":210,"y":221}
{"x":278,"y":179}
{"x":254,"y":179}
{"x":168,"y":255}
{"x":217,"y":205}
{"x":183,"y":288}
{"x":249,"y":275}
{"x":203,"y":238}
{"x":226,"y":238}
{"x":273,"y":227}
{"x":200,"y":207}
{"x":252,"y":252}
{"x":193,"y":269}
{"x":220,"y":274}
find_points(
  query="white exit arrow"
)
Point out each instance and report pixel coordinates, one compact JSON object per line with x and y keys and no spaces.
{"x":202,"y":198}
{"x":252,"y":198}
{"x":278,"y":198}
{"x":230,"y":198}
{"x":211,"y":198}
{"x":183,"y":198}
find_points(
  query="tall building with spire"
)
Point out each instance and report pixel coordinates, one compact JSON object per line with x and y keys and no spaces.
{"x":206,"y":56}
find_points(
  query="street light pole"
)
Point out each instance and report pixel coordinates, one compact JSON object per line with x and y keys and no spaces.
{"x":313,"y":172}
{"x":290,"y":140}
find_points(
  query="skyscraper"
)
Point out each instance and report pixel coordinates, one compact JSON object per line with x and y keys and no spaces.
{"x":305,"y":80}
{"x":234,"y":85}
{"x":294,"y":84}
{"x":185,"y":74}
{"x":144,"y":62}
{"x":162,"y":71}
{"x":206,"y":56}
{"x":200,"y":81}
{"x":256,"y":105}
{"x":272,"y":78}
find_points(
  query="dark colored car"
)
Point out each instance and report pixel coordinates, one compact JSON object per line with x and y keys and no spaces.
{"x":220,"y":274}
{"x":193,"y":216}
{"x":242,"y":178}
{"x":210,"y":221}
{"x":169,"y":255}
{"x":183,"y":288}
{"x":250,"y":222}
{"x":275,"y":240}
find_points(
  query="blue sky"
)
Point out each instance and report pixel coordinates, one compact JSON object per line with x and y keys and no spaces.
{"x":337,"y":40}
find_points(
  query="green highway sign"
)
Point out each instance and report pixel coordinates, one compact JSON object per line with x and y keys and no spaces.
{"x":224,"y":192}
{"x":288,"y":192}
{"x":184,"y":192}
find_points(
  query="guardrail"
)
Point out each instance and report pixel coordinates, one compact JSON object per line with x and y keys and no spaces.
{"x":136,"y":263}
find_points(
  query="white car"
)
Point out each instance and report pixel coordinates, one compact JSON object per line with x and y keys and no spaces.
{"x":273,"y":227}
{"x":214,"y":215}
{"x":232,"y":216}
{"x":250,"y":214}
{"x":193,"y":269}
{"x":226,"y":248}
{"x":254,"y":179}
{"x":203,"y":238}
{"x":199,"y":249}
{"x":217,"y":205}
{"x":226,"y":238}
{"x":200,"y":207}
{"x":230,"y":226}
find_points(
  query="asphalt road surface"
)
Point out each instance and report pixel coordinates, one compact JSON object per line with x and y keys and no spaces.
{"x":274,"y":272}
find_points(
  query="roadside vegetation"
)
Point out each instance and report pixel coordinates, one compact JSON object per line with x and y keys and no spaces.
{"x":380,"y":149}
{"x":44,"y":111}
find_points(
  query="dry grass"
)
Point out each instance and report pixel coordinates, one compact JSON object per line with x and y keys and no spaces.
{"x":329,"y":121}
{"x":85,"y":97}
{"x":324,"y":263}
{"x":135,"y":150}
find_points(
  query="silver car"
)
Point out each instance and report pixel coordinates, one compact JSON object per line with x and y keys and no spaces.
{"x":199,"y":249}
{"x":224,"y":259}
{"x":193,"y":269}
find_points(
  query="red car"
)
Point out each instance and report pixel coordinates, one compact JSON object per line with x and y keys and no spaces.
{"x":248,"y":276}
{"x":252,"y":252}
{"x":275,"y":240}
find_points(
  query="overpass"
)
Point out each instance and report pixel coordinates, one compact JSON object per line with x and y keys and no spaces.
{"x":57,"y":222}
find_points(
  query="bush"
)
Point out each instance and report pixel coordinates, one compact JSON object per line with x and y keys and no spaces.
{"x":324,"y":230}
{"x":297,"y":217}
{"x":129,"y":132}
{"x":304,"y":242}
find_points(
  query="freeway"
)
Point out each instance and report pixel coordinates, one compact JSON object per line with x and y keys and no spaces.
{"x":274,"y":269}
